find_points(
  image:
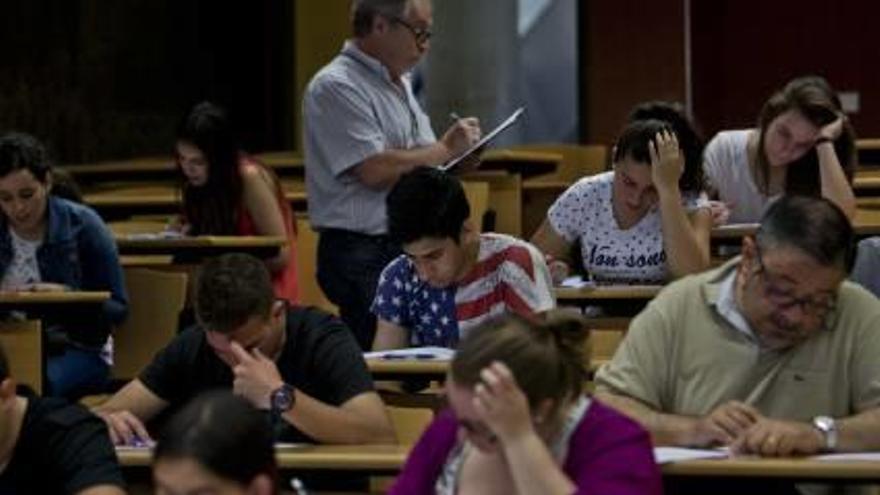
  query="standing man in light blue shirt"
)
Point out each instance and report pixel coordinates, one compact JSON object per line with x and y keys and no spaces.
{"x":363,"y":130}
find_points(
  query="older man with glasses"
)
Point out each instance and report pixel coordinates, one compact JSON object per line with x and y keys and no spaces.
{"x":363,"y":130}
{"x":773,"y":353}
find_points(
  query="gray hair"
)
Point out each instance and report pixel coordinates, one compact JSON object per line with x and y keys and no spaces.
{"x":364,"y":11}
{"x":813,"y":225}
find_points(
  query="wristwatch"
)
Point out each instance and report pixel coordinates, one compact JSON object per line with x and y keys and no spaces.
{"x":828,"y":428}
{"x":282,"y":399}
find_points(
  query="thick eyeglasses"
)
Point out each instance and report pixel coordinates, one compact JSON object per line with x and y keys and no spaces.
{"x":421,"y":35}
{"x":783,"y":299}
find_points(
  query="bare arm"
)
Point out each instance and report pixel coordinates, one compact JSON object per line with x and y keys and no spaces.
{"x":556,"y":249}
{"x":686,"y":243}
{"x":126,"y":412}
{"x":262,"y":205}
{"x":102,"y":490}
{"x":383,"y":169}
{"x":722,"y":426}
{"x":362,"y":419}
{"x":685,"y":238}
{"x":835,"y":187}
{"x":389,"y":336}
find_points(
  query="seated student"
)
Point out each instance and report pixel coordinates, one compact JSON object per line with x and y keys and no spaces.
{"x":50,"y":446}
{"x":219,"y":443}
{"x":773,"y":353}
{"x":520,"y":422}
{"x":451,"y":277}
{"x":801,"y":129}
{"x":643,"y":222}
{"x":300,"y":363}
{"x":52,"y":244}
{"x":227,"y":192}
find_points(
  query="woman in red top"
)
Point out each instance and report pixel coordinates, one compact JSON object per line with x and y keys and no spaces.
{"x":227,"y":192}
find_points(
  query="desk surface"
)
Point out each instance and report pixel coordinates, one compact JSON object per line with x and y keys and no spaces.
{"x":162,"y":195}
{"x":40,"y":298}
{"x":606,"y":292}
{"x":866,"y":223}
{"x":866,"y":179}
{"x":790,"y":468}
{"x":381,"y":458}
{"x":135,"y":166}
{"x":201,"y":246}
{"x":523,"y":162}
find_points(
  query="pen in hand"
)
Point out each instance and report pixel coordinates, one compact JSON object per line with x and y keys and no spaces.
{"x":454,"y":117}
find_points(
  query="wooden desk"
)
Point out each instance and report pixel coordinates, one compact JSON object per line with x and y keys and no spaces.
{"x":163,"y":167}
{"x":866,"y":182}
{"x":161,"y":198}
{"x":523,"y":162}
{"x":202,"y":246}
{"x":24,"y":341}
{"x":865,"y":224}
{"x":401,"y":369}
{"x":608,"y":292}
{"x":794,"y":469}
{"x":373,"y":459}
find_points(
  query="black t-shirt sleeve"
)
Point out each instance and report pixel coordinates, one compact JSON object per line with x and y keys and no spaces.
{"x":78,"y":450}
{"x":169,"y":373}
{"x":339,"y":366}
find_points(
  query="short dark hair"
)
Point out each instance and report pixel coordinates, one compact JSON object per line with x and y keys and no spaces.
{"x":4,"y":365}
{"x":813,"y":225}
{"x":364,"y":11}
{"x":223,"y":433}
{"x":231,"y":289}
{"x":426,"y":202}
{"x":549,"y":359}
{"x":689,"y":138}
{"x":20,"y":151}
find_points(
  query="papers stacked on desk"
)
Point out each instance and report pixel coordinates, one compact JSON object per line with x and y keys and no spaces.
{"x":666,"y":455}
{"x":419,"y":353}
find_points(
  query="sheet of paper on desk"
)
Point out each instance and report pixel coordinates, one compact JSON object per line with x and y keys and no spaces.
{"x":736,"y":226}
{"x":165,"y":234}
{"x":283,"y":446}
{"x":577,"y":282}
{"x":486,"y":139}
{"x":665,"y":455}
{"x":435,"y":353}
{"x":849,"y":456}
{"x":140,"y":447}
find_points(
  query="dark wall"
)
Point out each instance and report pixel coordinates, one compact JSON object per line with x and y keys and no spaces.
{"x":104,"y":79}
{"x":631,"y":51}
{"x":744,"y":49}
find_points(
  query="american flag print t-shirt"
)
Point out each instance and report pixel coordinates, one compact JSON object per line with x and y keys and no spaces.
{"x":510,"y":276}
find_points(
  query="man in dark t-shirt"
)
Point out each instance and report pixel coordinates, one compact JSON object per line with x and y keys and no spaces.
{"x":300,"y":364}
{"x":50,"y":446}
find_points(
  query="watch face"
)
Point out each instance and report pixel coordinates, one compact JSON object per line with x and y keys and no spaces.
{"x":282,"y":399}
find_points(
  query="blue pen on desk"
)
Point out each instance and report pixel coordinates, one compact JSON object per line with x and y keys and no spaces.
{"x":422,"y":355}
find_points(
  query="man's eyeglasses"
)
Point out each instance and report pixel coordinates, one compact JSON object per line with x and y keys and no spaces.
{"x":783,"y":299}
{"x":421,"y":35}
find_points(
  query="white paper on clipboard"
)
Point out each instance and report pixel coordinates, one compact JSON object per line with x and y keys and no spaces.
{"x":486,"y":139}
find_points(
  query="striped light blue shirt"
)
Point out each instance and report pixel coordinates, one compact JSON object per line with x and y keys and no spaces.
{"x":352,"y":111}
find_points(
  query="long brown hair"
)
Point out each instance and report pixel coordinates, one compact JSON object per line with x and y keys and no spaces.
{"x":549,"y":359}
{"x":212,"y":208}
{"x":813,"y":98}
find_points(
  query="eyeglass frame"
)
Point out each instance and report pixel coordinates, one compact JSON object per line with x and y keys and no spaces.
{"x":421,"y":35}
{"x":783,"y":300}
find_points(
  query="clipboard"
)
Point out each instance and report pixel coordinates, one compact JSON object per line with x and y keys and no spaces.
{"x":509,"y":121}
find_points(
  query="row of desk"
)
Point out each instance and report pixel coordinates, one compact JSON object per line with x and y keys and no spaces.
{"x":389,"y":459}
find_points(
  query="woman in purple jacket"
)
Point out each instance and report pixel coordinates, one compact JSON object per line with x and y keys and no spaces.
{"x":521,"y":423}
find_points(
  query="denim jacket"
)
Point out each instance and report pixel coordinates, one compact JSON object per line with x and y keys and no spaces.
{"x":79,"y":252}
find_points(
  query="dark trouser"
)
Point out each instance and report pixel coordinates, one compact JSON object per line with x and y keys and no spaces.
{"x":349,"y":265}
